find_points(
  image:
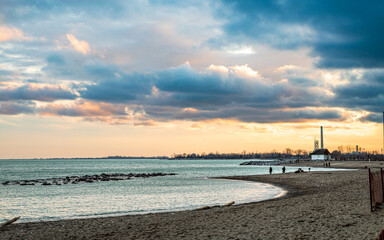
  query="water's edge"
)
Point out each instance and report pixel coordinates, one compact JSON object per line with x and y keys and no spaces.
{"x":283,"y":193}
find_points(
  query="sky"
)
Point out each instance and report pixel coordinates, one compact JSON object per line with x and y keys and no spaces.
{"x":158,"y":77}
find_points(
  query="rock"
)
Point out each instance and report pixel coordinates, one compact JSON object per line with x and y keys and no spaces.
{"x":229,"y":204}
{"x":299,"y":171}
{"x":261,"y":163}
{"x":86,"y":179}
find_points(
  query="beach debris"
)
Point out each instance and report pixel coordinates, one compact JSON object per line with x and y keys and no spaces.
{"x":85,"y":179}
{"x":229,"y":204}
{"x":9,"y":222}
{"x":269,"y":162}
{"x":207,"y":207}
{"x":216,"y":206}
{"x":261,"y":163}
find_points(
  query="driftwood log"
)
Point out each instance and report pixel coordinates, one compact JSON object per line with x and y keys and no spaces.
{"x":215,"y":206}
{"x":229,"y":204}
{"x":9,"y":222}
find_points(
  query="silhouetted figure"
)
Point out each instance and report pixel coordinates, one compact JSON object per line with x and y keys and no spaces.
{"x":270,"y":170}
{"x":329,"y":164}
{"x":309,"y":169}
{"x":284,"y":169}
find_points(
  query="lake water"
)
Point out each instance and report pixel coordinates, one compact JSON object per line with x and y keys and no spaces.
{"x":190,"y":189}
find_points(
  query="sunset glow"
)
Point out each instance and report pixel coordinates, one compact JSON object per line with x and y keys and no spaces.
{"x":151,"y":78}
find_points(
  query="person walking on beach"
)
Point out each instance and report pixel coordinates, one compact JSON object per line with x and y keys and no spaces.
{"x":270,"y":170}
{"x":284,"y":169}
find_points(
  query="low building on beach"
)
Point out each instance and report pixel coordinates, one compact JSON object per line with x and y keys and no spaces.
{"x":321,"y":155}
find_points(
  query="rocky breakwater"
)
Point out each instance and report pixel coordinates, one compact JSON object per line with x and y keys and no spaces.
{"x":85,"y":179}
{"x":262,"y":163}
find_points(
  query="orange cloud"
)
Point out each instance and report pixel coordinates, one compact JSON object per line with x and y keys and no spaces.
{"x":114,"y":114}
{"x":82,"y":109}
{"x":80,"y":46}
{"x":7,"y":34}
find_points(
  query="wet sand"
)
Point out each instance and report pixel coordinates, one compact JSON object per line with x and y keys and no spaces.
{"x":319,"y":205}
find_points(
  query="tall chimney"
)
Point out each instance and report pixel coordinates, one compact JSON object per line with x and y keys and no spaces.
{"x":322,"y":143}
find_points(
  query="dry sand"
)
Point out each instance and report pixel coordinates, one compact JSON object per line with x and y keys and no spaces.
{"x":319,"y":205}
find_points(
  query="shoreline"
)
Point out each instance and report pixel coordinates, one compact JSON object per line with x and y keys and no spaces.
{"x":317,"y":205}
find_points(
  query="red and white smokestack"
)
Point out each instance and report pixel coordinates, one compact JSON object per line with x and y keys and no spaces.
{"x":321,"y":130}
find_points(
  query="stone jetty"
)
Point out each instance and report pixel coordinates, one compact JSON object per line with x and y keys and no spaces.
{"x":85,"y":179}
{"x":261,"y":163}
{"x":270,"y":163}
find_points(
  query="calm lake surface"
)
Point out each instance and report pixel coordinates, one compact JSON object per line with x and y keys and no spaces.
{"x":190,"y":189}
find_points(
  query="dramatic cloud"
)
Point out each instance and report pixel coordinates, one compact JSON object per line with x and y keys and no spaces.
{"x":113,"y":85}
{"x":373,"y":117}
{"x":245,"y":114}
{"x":363,"y":91}
{"x":7,"y":108}
{"x":83,"y":109}
{"x":344,"y":34}
{"x":98,"y":112}
{"x":139,"y":34}
{"x":234,"y":92}
{"x":35,"y":92}
{"x":185,"y":87}
{"x":106,"y":58}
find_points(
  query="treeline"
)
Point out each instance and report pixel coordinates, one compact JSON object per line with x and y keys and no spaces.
{"x":353,"y":149}
{"x":351,"y":153}
{"x":287,"y":154}
{"x":128,"y":157}
{"x":357,"y":156}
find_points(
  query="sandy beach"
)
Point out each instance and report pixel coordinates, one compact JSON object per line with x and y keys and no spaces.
{"x":318,"y":205}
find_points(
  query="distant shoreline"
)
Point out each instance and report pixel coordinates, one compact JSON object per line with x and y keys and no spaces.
{"x":154,"y":158}
{"x":79,"y":158}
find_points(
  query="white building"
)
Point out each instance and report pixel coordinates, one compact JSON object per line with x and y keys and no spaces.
{"x":321,"y":155}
